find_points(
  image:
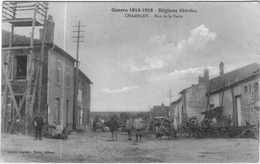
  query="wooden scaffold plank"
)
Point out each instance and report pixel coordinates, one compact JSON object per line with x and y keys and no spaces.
{"x":11,"y":92}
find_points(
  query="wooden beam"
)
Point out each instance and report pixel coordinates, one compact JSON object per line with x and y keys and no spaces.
{"x":42,"y":59}
{"x":208,"y":97}
{"x":35,"y":87}
{"x":5,"y":96}
{"x":12,"y":93}
{"x":23,"y":22}
{"x":20,"y":107}
{"x":30,"y":75}
{"x":16,"y":48}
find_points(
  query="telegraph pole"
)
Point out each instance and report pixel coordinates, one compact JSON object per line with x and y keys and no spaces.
{"x":170,"y":94}
{"x":75,"y":111}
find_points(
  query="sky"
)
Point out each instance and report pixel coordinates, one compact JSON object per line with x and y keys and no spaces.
{"x":135,"y":62}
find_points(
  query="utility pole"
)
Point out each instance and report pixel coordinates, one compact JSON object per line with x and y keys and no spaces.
{"x":75,"y":111}
{"x":170,"y":94}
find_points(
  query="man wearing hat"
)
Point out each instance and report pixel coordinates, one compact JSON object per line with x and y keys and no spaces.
{"x":38,"y":124}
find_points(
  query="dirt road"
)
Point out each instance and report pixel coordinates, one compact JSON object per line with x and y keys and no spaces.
{"x":98,"y":147}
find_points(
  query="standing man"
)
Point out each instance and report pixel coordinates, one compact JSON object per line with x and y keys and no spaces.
{"x":112,"y":124}
{"x":138,"y":125}
{"x":129,"y":126}
{"x":38,"y":124}
{"x":59,"y":129}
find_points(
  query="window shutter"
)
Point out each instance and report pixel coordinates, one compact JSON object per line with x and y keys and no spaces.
{"x":252,"y":93}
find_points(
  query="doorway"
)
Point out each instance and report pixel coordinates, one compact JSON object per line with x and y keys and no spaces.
{"x":239,"y":111}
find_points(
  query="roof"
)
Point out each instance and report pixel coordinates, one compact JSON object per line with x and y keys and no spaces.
{"x":20,"y":40}
{"x":160,"y":110}
{"x":254,"y":76}
{"x":85,"y":77}
{"x":233,"y":76}
{"x":176,"y":101}
{"x":184,"y":90}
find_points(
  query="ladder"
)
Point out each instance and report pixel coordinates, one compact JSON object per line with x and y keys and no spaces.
{"x":22,"y":15}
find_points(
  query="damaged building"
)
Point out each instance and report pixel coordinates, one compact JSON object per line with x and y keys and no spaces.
{"x":192,"y":101}
{"x":234,"y":94}
{"x":56,"y":103}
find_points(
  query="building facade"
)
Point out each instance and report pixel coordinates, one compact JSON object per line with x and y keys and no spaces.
{"x":84,"y":102}
{"x":57,"y":100}
{"x":234,"y":94}
{"x":240,"y":100}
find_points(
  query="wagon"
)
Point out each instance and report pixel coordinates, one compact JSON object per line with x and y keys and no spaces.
{"x":164,"y":127}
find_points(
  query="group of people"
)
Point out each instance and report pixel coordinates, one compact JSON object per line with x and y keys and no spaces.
{"x":130,"y":125}
{"x":38,"y":123}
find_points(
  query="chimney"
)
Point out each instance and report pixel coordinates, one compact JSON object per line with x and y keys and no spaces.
{"x":221,"y":69}
{"x":205,"y":78}
{"x":206,"y":74}
{"x":49,"y":36}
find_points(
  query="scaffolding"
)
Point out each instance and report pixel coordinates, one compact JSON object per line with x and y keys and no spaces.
{"x":24,"y":15}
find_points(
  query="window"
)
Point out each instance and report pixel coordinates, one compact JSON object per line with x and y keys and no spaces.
{"x":57,"y":110}
{"x":256,"y":88}
{"x":67,"y":111}
{"x":80,"y":115}
{"x":58,"y":71}
{"x":252,"y":93}
{"x":246,"y":89}
{"x":20,"y":67}
{"x":68,"y":76}
{"x":257,"y":113}
{"x":249,"y":88}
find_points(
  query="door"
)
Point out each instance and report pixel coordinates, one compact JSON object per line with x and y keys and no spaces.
{"x":67,"y":111}
{"x":239,"y":111}
{"x":57,"y":102}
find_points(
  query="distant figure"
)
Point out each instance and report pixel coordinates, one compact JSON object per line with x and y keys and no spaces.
{"x":247,"y":123}
{"x":66,"y":131}
{"x":138,"y":125}
{"x":229,"y":120}
{"x":59,"y":129}
{"x":38,"y":124}
{"x":112,"y":124}
{"x":129,"y":126}
{"x":157,"y":131}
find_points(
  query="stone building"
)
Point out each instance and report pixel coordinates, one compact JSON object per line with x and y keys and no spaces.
{"x":58,"y":81}
{"x":236,"y":93}
{"x":82,"y":113}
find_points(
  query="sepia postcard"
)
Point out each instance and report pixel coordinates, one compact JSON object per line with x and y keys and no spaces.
{"x":130,"y":82}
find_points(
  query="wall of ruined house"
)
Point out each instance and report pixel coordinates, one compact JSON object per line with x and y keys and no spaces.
{"x":19,"y":86}
{"x":196,"y":100}
{"x":60,"y":90}
{"x":84,"y":89}
{"x":176,"y":111}
{"x":227,"y":105}
{"x":249,"y":107}
{"x":182,"y":110}
{"x":44,"y":106}
{"x":227,"y":102}
{"x":214,"y":100}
